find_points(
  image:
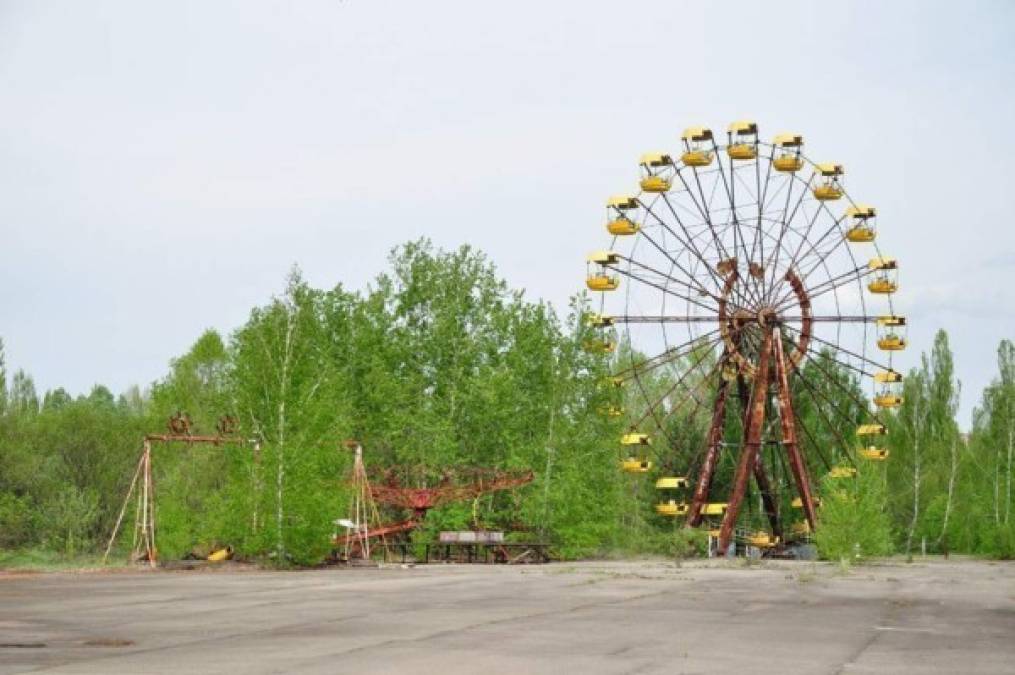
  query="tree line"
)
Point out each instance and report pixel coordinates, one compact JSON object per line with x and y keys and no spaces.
{"x":438,"y":363}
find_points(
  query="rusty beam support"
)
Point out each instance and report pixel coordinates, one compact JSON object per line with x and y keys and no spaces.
{"x":752,"y":442}
{"x":714,"y":440}
{"x":789,"y":438}
{"x":760,"y":477}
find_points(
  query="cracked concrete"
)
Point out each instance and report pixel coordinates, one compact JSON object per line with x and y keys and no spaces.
{"x":953,"y":616}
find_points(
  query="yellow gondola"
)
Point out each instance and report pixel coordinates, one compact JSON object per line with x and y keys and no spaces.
{"x":602,"y":282}
{"x":714,"y":509}
{"x":842,"y":472}
{"x":672,"y":483}
{"x":787,"y":152}
{"x":829,"y":185}
{"x":636,"y":465}
{"x":798,"y":502}
{"x":652,"y":163}
{"x":874,"y":453}
{"x":671,"y":508}
{"x":889,"y":389}
{"x":762,"y":540}
{"x":862,"y":228}
{"x":886,"y":279}
{"x":634,"y":438}
{"x":876,"y":429}
{"x":892,"y":333}
{"x":697,"y":146}
{"x":599,"y":320}
{"x":887,"y":400}
{"x":599,"y":346}
{"x":800,"y":528}
{"x":743,"y":140}
{"x":619,"y":221}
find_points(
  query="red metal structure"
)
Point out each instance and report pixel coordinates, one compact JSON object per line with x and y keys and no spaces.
{"x":452,"y":485}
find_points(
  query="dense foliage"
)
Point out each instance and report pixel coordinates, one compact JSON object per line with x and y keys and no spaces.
{"x":439,"y":364}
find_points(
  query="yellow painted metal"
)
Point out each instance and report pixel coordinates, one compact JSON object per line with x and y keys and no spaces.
{"x":798,"y":503}
{"x":634,"y":438}
{"x":861,"y":234}
{"x":696,"y":134}
{"x":788,"y":140}
{"x":891,"y":320}
{"x":887,"y":376}
{"x":636,"y":465}
{"x":610,"y":411}
{"x":221,"y":554}
{"x":874,"y":453}
{"x":888,"y":400}
{"x":616,"y":382}
{"x":622,"y":227}
{"x":892,"y":343}
{"x":742,"y":151}
{"x":672,"y":483}
{"x":714,"y":509}
{"x":800,"y":528}
{"x":842,"y":472}
{"x":622,"y":202}
{"x":656,"y":159}
{"x":713,"y":533}
{"x":743,"y":128}
{"x":882,"y":264}
{"x":827,"y":192}
{"x":788,"y":162}
{"x":876,"y":429}
{"x":762,"y":540}
{"x":599,"y":320}
{"x":655,"y":184}
{"x":696,"y":158}
{"x":604,"y":257}
{"x":602,"y":282}
{"x":671,"y":508}
{"x":599,"y":346}
{"x":882,"y":286}
{"x":829,"y":169}
{"x":862,"y":211}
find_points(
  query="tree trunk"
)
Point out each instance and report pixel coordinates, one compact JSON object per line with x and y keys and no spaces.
{"x":916,"y":478}
{"x":1007,"y":497}
{"x":951,"y":489}
{"x":280,"y":471}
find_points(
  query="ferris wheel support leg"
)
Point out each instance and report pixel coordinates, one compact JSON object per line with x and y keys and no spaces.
{"x":715,"y":434}
{"x":760,"y":477}
{"x":751,"y":447}
{"x":789,"y":439}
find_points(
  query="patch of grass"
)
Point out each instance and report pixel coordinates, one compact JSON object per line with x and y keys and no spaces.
{"x":40,"y":560}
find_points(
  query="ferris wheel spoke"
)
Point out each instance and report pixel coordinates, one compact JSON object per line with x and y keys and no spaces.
{"x":698,"y":286}
{"x":738,"y":235}
{"x":663,"y":318}
{"x":838,"y":348}
{"x":826,"y":286}
{"x":777,"y":285}
{"x":651,"y":412}
{"x":813,"y":247}
{"x":664,"y":288}
{"x":816,"y":392}
{"x":652,"y":362}
{"x":814,"y":444}
{"x":689,"y":243}
{"x":706,"y":217}
{"x":787,"y":220}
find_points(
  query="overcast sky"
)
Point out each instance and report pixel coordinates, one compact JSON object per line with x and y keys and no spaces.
{"x":164,"y":164}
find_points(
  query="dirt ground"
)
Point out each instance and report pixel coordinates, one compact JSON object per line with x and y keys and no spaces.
{"x":932,"y":616}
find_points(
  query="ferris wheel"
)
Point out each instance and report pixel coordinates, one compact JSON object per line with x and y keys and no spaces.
{"x":741,"y":282}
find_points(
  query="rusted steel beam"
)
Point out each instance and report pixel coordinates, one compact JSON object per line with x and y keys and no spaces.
{"x":760,"y":477}
{"x":187,"y":438}
{"x":789,"y":438}
{"x":752,"y":443}
{"x":714,"y":440}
